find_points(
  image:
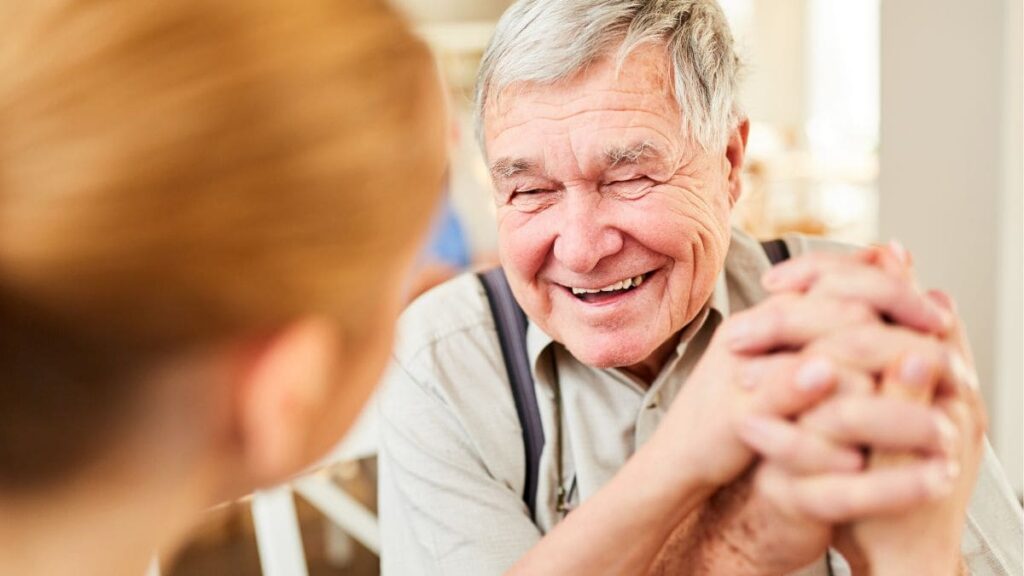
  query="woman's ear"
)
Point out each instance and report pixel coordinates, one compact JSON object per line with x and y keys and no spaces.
{"x":281,"y":396}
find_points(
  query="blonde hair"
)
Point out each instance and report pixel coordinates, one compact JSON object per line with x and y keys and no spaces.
{"x":177,"y":173}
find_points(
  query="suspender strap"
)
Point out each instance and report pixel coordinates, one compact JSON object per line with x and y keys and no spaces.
{"x":776,"y":250}
{"x":510,"y":322}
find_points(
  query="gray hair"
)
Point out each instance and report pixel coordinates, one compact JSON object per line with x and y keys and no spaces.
{"x":546,"y":41}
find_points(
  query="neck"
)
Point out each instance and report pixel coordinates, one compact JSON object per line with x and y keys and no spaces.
{"x":140,"y":496}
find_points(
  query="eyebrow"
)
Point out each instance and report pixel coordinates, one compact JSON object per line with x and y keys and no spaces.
{"x":631,"y":153}
{"x":509,"y":167}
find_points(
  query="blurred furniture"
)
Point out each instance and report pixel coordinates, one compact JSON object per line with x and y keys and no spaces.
{"x":278,"y":536}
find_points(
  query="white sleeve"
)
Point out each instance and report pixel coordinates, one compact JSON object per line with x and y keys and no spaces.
{"x":993,"y":542}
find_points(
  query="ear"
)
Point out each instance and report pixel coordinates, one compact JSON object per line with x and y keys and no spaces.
{"x":281,"y":397}
{"x":734,"y":154}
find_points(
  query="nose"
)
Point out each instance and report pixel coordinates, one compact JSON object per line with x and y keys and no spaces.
{"x":585,"y":236}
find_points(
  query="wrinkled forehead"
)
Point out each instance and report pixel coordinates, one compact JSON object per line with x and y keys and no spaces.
{"x":603,"y":108}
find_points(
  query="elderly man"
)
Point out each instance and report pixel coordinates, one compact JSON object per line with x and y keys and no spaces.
{"x":696,"y":417}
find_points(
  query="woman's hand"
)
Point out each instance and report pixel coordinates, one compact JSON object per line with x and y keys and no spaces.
{"x":926,"y":540}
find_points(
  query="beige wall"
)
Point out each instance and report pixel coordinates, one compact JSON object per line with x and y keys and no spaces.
{"x":949,"y":177}
{"x":1008,"y":417}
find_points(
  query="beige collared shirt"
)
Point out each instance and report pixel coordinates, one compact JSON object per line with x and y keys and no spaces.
{"x":451,"y":456}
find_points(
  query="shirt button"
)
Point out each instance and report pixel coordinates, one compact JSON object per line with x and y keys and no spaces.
{"x":655,"y":401}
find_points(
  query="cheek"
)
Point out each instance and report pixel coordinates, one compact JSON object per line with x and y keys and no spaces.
{"x":681,"y":224}
{"x":524,"y":242}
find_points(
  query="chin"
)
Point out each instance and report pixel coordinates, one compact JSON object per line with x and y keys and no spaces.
{"x":608,"y":352}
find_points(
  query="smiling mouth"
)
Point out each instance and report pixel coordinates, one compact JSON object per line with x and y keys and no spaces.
{"x":595,"y":295}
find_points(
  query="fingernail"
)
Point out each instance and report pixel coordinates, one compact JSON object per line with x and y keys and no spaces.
{"x":961,"y":372}
{"x":940,"y":477}
{"x":899,"y":252}
{"x":945,"y":318}
{"x":815,"y":374}
{"x":941,"y":299}
{"x":947,"y":434}
{"x":915,"y":371}
{"x":742,"y":333}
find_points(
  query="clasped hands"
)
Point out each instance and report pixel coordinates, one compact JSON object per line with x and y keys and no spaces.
{"x":842,"y":411}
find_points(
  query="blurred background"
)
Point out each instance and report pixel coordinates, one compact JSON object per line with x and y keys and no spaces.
{"x":871,"y":120}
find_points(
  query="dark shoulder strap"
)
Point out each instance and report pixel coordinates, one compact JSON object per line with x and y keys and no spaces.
{"x":510,"y":322}
{"x":776,"y":250}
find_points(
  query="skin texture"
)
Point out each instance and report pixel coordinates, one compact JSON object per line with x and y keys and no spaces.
{"x":569,"y":215}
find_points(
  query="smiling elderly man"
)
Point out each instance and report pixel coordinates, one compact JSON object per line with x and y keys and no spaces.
{"x":661,"y":364}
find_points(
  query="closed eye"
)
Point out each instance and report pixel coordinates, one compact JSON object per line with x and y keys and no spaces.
{"x":630,"y":188}
{"x":532,"y":199}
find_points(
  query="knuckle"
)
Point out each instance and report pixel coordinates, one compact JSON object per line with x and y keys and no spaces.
{"x":865,"y":339}
{"x":894,"y":289}
{"x":941,"y":432}
{"x":775,"y":314}
{"x":857,"y":312}
{"x":844,"y":506}
{"x":790,"y":449}
{"x":858,"y":384}
{"x":918,"y":490}
{"x":843,"y":417}
{"x":862,"y":341}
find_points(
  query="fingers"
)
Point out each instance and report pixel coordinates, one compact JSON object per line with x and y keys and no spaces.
{"x":789,"y":321}
{"x":829,"y":437}
{"x":883,"y":423}
{"x":800,"y":370}
{"x":852,"y":277}
{"x":872,"y":348}
{"x":892,"y":258}
{"x":786,"y":384}
{"x":796,"y":449}
{"x":957,"y":335}
{"x":845,"y":497}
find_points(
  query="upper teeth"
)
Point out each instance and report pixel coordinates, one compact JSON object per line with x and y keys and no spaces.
{"x":620,"y":285}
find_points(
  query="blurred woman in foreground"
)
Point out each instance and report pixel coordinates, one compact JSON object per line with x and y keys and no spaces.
{"x":207,"y":208}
